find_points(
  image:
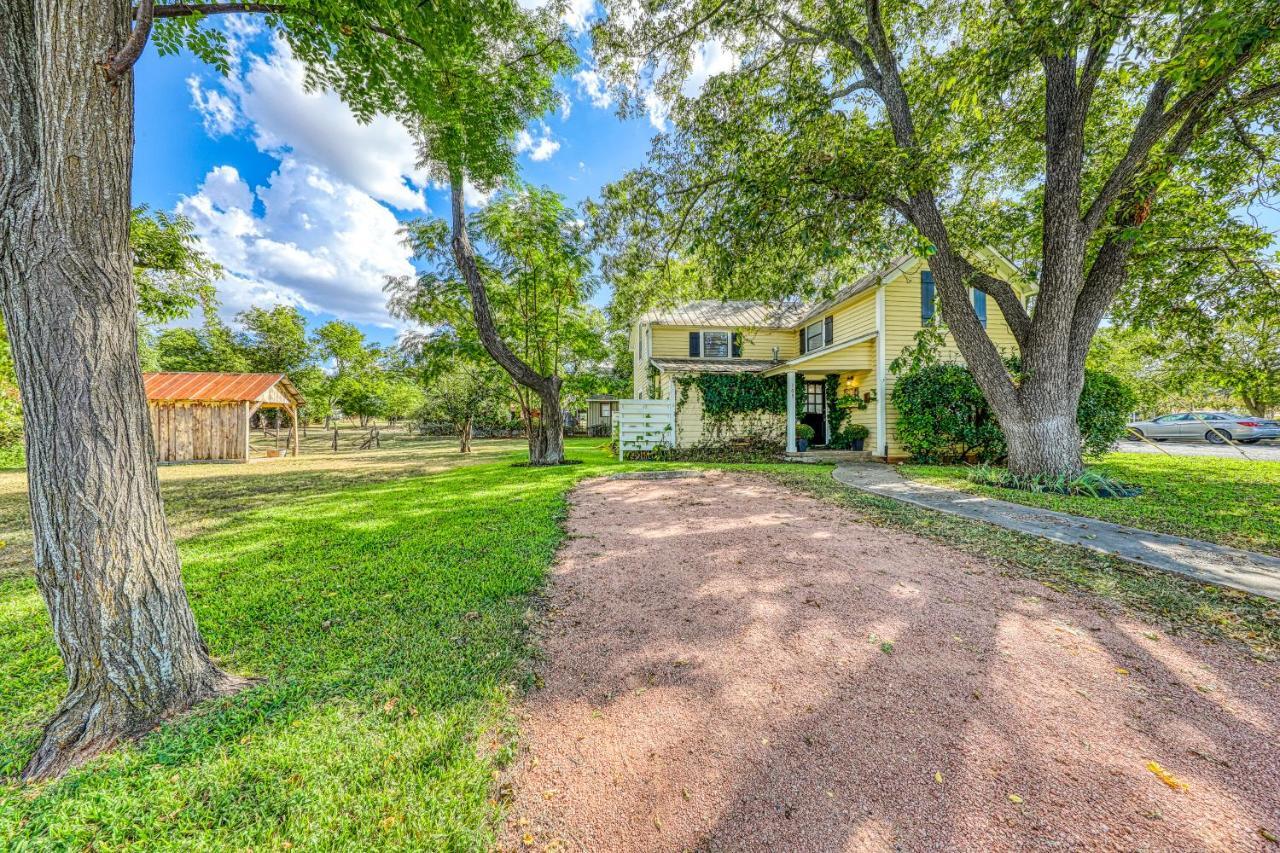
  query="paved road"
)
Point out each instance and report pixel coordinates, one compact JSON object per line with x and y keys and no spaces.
{"x":1265,"y":451}
{"x":1204,"y":561}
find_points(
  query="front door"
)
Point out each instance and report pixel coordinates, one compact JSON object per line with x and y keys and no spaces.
{"x":815,"y":407}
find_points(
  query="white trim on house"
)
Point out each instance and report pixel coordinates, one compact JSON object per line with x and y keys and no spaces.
{"x":882,"y":438}
{"x":825,"y":351}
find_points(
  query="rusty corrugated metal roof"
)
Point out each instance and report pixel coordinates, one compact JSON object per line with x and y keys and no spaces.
{"x":216,"y":387}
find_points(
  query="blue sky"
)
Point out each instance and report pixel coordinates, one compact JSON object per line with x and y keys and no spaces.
{"x":299,"y":202}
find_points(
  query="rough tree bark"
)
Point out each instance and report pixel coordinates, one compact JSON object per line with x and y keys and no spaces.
{"x":105,"y":561}
{"x":546,"y":433}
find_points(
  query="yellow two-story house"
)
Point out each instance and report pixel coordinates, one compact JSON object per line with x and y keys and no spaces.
{"x":854,"y":336}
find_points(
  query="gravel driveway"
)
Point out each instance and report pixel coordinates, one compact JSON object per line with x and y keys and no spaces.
{"x":732,"y":666}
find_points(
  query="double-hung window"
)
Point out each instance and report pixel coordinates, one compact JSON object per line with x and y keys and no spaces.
{"x":816,"y":335}
{"x":715,"y":344}
{"x":711,"y":344}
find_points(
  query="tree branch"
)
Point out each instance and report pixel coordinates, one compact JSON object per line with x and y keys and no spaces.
{"x":465,"y":257}
{"x":1156,"y":122}
{"x":120,"y":64}
{"x":184,"y":10}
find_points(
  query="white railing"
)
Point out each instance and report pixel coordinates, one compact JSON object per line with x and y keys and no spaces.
{"x":643,"y":425}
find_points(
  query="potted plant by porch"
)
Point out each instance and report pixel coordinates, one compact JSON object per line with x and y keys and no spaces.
{"x":804,"y":435}
{"x":855,"y":435}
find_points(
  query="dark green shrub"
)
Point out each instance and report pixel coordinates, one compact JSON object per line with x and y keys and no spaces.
{"x":943,"y":417}
{"x":1105,"y":406}
{"x":845,"y":437}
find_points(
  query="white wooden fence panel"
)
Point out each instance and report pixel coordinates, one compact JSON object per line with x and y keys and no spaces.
{"x":645,"y":424}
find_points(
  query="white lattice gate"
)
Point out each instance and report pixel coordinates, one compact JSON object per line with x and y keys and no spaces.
{"x":645,"y":424}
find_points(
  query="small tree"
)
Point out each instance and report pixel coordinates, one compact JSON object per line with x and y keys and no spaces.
{"x":470,"y":391}
{"x":536,"y":279}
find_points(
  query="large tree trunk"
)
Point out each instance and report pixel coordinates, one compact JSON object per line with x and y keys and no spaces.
{"x":546,"y":438}
{"x":105,"y":561}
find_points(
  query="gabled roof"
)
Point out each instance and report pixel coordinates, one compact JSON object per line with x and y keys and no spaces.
{"x":216,"y":387}
{"x":712,"y":365}
{"x":867,"y":282}
{"x":713,"y":312}
{"x":788,"y":314}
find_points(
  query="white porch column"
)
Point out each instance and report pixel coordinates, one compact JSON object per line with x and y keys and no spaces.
{"x":791,"y":411}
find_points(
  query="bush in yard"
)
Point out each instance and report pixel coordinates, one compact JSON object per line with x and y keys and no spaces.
{"x":943,"y":416}
{"x":1105,"y":406}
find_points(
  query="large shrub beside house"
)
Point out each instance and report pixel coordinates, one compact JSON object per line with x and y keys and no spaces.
{"x":943,"y":416}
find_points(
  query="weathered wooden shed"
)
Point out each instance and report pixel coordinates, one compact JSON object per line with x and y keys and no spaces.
{"x":600,"y":411}
{"x":205,"y":416}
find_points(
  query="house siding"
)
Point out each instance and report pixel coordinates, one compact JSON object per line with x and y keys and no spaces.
{"x":851,"y":320}
{"x":673,"y":341}
{"x":902,"y":321}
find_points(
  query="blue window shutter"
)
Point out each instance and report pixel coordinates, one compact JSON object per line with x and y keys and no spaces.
{"x":980,"y":306}
{"x":736,"y":337}
{"x":802,"y":336}
{"x":926,"y":296}
{"x":828,"y":331}
{"x":695,"y":344}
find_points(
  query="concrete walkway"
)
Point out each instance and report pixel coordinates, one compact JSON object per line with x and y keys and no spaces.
{"x":1231,"y":567}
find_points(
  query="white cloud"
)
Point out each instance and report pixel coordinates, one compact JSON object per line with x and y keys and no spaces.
{"x":591,"y":86}
{"x":218,"y":111}
{"x":538,"y":148}
{"x":576,"y":14}
{"x":317,"y":243}
{"x":379,"y":157}
{"x":706,"y":60}
{"x":270,"y":95}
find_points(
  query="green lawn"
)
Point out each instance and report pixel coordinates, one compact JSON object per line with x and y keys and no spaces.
{"x":1230,"y":501}
{"x":384,"y":597}
{"x":387,"y":610}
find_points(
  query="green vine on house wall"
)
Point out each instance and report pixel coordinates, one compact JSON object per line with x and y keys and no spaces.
{"x":725,"y":395}
{"x":836,"y":415}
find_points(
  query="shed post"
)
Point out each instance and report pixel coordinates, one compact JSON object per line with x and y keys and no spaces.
{"x":245,"y":423}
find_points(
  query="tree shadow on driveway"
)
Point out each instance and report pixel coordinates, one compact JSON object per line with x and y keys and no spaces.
{"x":730,"y":665}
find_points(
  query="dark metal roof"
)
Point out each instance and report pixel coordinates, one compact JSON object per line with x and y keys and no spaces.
{"x":216,"y":387}
{"x":712,"y":365}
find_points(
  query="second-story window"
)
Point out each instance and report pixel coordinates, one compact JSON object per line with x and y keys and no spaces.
{"x":714,"y":345}
{"x":813,"y":337}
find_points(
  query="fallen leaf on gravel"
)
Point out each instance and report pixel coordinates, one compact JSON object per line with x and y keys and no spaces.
{"x":1121,"y":671}
{"x":527,"y":839}
{"x":1270,"y":836}
{"x":1166,"y":777}
{"x":937,"y":777}
{"x":1015,"y":799}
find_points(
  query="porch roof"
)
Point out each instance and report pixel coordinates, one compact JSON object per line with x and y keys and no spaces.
{"x":853,"y":354}
{"x":711,"y":365}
